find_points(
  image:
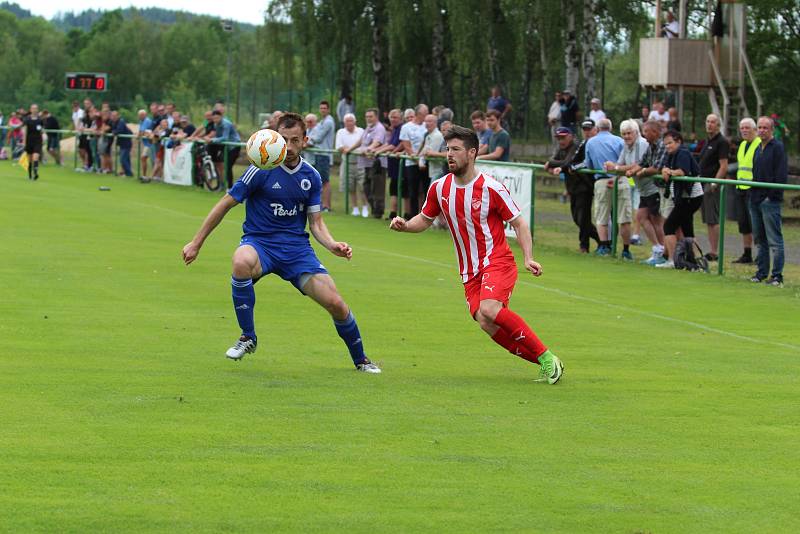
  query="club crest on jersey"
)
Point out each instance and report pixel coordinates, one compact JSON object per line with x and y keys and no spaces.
{"x":305,"y":184}
{"x":476,"y":204}
{"x":279,"y":211}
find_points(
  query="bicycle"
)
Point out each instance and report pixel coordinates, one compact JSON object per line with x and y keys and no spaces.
{"x":206,"y":172}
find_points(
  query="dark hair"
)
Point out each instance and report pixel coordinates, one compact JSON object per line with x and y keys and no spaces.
{"x":493,"y":113}
{"x":478,"y":115}
{"x":290,"y":120}
{"x":324,"y":103}
{"x":675,"y":135}
{"x":469,"y":138}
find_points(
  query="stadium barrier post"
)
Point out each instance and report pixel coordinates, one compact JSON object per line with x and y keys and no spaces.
{"x":614,"y":208}
{"x":400,"y":166}
{"x":75,"y":151}
{"x":721,"y":251}
{"x":138,"y":157}
{"x":533,"y":199}
{"x":346,"y":178}
{"x":116,"y":153}
{"x":224,"y":177}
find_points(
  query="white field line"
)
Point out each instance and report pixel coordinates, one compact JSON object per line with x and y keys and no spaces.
{"x":607,"y":304}
{"x":556,"y":291}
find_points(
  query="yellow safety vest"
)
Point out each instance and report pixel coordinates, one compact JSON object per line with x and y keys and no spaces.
{"x":745,"y":160}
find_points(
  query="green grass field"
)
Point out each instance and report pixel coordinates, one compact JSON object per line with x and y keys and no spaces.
{"x":678,"y":410}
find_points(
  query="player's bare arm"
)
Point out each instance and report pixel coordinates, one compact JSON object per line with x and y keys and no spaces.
{"x":419,"y":223}
{"x":214,"y":217}
{"x":318,"y":228}
{"x":526,"y":244}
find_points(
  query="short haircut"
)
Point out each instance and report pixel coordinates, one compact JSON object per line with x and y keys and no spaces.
{"x":372,"y":110}
{"x":770,"y":119}
{"x":675,"y":135}
{"x":652,"y":124}
{"x":290,"y":120}
{"x":324,"y":103}
{"x":493,"y":113}
{"x":446,"y":114}
{"x":629,"y":125}
{"x":604,"y":124}
{"x":420,"y":107}
{"x":478,"y":114}
{"x":716,"y":118}
{"x":749,"y":121}
{"x":469,"y":137}
{"x":408,"y":113}
{"x":396,"y":111}
{"x":349,"y":116}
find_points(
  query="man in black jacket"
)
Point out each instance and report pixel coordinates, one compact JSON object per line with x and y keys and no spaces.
{"x":579,"y":186}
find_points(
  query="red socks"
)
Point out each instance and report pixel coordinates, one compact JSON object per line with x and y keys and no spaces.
{"x":517,"y":337}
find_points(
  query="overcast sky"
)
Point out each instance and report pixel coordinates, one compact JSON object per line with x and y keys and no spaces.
{"x":241,"y":10}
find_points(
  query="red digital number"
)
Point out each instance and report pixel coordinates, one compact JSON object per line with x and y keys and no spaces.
{"x":72,"y":83}
{"x":100,"y":83}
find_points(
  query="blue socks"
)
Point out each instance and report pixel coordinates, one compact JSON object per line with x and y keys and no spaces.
{"x":244,"y":300}
{"x":348,"y":331}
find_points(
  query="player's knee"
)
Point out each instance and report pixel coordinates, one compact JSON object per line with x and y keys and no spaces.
{"x":487,"y":312}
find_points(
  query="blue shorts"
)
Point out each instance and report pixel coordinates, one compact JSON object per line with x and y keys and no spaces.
{"x":322,"y":162}
{"x":288,"y":262}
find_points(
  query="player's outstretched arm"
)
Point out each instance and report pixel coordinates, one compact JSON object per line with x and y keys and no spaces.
{"x":523,"y":232}
{"x":419,"y":223}
{"x":320,"y":231}
{"x":214,"y":217}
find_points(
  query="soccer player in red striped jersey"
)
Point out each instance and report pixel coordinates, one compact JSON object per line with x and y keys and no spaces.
{"x":475,"y":206}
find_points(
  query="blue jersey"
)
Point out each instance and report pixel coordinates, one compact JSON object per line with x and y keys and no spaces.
{"x":278,"y":201}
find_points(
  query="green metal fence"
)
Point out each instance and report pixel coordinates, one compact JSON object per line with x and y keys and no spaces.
{"x":535,"y":167}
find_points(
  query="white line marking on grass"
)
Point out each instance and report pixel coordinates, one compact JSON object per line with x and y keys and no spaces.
{"x":607,"y":304}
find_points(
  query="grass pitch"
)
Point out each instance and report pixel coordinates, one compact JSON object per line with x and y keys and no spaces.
{"x":678,"y":410}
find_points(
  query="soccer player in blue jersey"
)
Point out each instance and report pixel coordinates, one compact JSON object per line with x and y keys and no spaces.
{"x":278,"y":203}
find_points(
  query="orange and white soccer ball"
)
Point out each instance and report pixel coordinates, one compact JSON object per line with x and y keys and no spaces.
{"x":266,"y":149}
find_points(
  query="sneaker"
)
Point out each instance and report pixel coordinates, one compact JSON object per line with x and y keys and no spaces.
{"x":551,"y":368}
{"x":602,"y":250}
{"x":744,"y":259}
{"x":757,"y":279}
{"x":356,"y":212}
{"x":666,"y":265}
{"x":636,"y":240}
{"x":626,"y":255}
{"x":364,"y":211}
{"x":368,"y":367}
{"x":244,"y":345}
{"x":775,"y":282}
{"x":326,"y":210}
{"x":711,"y":257}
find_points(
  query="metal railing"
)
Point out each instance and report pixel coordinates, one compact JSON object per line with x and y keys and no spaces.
{"x":723,"y":183}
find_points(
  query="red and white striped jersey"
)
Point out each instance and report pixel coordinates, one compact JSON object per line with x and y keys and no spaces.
{"x":475,"y":214}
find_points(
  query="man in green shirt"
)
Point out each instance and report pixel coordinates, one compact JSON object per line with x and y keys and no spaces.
{"x":499,"y":142}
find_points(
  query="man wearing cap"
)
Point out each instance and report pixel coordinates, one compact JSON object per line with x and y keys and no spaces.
{"x":569,"y":109}
{"x":596,"y":113}
{"x":579,"y":186}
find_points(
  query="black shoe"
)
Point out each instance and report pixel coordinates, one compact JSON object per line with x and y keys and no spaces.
{"x":744,"y":259}
{"x":711,"y":257}
{"x":407,"y":216}
{"x":392,"y":215}
{"x":774,"y":281}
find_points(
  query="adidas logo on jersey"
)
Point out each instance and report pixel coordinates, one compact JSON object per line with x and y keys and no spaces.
{"x":276,"y":185}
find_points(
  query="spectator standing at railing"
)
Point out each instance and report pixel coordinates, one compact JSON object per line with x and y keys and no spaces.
{"x":596,"y":113}
{"x":348,"y":139}
{"x":744,"y":171}
{"x":120,"y":127}
{"x":601,"y":148}
{"x":226,"y":133}
{"x":310,"y":120}
{"x":374,"y":175}
{"x":391,"y":145}
{"x":713,"y":164}
{"x":655,"y":209}
{"x":160,"y":132}
{"x":687,"y":196}
{"x":104,"y":141}
{"x":323,"y":138}
{"x":554,"y":117}
{"x":84,"y":141}
{"x":478,"y":119}
{"x":431,"y":147}
{"x":145,"y":131}
{"x":32,"y":131}
{"x":14,"y":135}
{"x":53,"y":138}
{"x":769,"y":166}
{"x":411,"y":136}
{"x":499,"y":142}
{"x":579,"y":186}
{"x":569,"y":109}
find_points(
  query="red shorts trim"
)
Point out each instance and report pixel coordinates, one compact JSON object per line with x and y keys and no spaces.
{"x":495,"y":282}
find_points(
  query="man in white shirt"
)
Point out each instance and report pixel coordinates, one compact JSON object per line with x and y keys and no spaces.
{"x":671,"y":29}
{"x":660,"y":114}
{"x":431,"y":146}
{"x":412,"y":135}
{"x":596,"y":113}
{"x":554,"y":117}
{"x":347,"y":140}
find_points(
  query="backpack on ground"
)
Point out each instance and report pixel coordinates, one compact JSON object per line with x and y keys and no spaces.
{"x":689,"y":256}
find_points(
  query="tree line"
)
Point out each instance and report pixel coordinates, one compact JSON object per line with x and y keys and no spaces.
{"x":384,"y":53}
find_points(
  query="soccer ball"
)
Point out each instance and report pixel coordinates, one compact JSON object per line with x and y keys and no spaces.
{"x":266,"y":149}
